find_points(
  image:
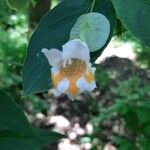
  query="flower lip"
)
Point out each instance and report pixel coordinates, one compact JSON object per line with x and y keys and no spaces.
{"x":72,"y":49}
{"x":54,"y":56}
{"x":70,"y":67}
{"x":76,"y":49}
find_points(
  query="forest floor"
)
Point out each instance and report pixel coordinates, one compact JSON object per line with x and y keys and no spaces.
{"x":73,"y":118}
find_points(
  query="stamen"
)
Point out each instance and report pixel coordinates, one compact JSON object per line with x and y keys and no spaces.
{"x":74,"y":70}
{"x":70,"y":61}
{"x":64,"y":63}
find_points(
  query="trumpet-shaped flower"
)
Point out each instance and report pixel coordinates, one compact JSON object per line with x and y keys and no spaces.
{"x":71,"y":70}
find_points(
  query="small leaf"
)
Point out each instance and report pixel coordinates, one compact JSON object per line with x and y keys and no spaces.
{"x":92,"y":28}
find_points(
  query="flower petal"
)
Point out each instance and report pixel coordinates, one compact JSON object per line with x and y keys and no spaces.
{"x":55,"y":70}
{"x":55,"y":92}
{"x":89,"y":76}
{"x":82,"y":84}
{"x":76,"y":49}
{"x":93,"y":70}
{"x":63,"y":85}
{"x":54,"y":56}
{"x":91,"y":86}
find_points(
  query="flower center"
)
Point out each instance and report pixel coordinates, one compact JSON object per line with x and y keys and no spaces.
{"x":74,"y":68}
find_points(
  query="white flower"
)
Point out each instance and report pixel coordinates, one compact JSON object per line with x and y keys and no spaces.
{"x":71,"y":70}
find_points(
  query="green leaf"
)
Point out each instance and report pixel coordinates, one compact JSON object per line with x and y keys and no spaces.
{"x":52,"y":32}
{"x":17,"y":4}
{"x":131,"y":120}
{"x":125,"y":144}
{"x":92,"y":28}
{"x":28,"y":142}
{"x":106,"y":8}
{"x":135,"y":16}
{"x":16,"y":132}
{"x":47,"y":136}
{"x":145,"y":144}
{"x":121,"y":107}
{"x":12,"y":117}
{"x":146,"y":129}
{"x":142,"y":114}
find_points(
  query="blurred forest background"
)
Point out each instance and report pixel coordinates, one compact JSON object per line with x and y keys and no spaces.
{"x":116,"y":113}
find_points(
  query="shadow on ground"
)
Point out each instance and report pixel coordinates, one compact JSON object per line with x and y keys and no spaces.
{"x":73,"y":118}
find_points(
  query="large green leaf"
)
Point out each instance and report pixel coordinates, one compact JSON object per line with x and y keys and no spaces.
{"x":12,"y":117}
{"x":16,"y":132}
{"x":9,"y":141}
{"x":52,"y":32}
{"x":135,"y":15}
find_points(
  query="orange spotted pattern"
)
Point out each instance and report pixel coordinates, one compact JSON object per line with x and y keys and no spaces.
{"x":89,"y":77}
{"x":73,"y":71}
{"x":56,"y":78}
